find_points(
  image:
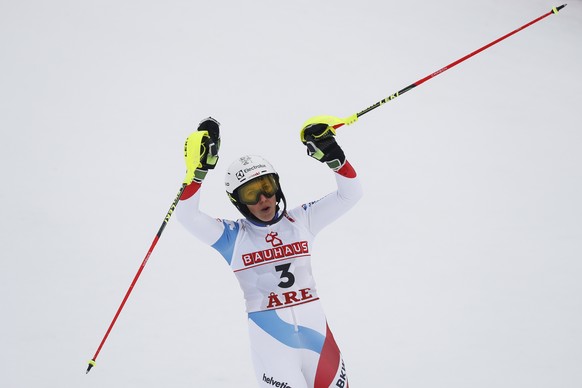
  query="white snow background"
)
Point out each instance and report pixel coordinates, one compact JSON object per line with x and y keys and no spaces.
{"x":460,"y":267}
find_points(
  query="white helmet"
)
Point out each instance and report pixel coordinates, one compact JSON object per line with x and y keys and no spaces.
{"x":245,"y":169}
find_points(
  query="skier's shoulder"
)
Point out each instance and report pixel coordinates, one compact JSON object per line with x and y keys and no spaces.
{"x":232,"y":225}
{"x":299,"y":214}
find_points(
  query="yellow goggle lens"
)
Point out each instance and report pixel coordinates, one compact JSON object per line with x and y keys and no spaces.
{"x":250,"y":192}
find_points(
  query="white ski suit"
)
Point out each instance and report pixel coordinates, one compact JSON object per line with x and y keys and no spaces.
{"x":291,"y":343}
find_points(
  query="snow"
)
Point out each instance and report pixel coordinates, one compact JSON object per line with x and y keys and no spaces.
{"x":466,"y":247}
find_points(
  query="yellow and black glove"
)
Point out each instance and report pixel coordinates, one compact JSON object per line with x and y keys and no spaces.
{"x":318,"y":135}
{"x":201,"y":150}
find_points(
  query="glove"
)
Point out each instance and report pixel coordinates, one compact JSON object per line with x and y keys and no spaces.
{"x":318,"y":134}
{"x":201,"y":150}
{"x":210,"y":144}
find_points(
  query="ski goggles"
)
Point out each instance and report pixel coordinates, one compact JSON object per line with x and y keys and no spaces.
{"x":250,"y":192}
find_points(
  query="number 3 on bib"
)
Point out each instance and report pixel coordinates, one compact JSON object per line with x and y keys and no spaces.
{"x":287,"y":278}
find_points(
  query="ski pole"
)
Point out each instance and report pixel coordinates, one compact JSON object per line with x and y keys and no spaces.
{"x":354,"y":117}
{"x":192,"y":145}
{"x":142,"y":266}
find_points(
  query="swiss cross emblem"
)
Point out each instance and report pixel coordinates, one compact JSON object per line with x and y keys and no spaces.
{"x":273,"y":239}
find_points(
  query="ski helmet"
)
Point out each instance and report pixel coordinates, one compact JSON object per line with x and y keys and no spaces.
{"x":245,"y":169}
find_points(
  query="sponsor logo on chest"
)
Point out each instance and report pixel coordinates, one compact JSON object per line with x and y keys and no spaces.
{"x":278,"y":251}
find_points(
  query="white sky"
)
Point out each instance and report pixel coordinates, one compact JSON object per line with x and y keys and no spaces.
{"x":460,"y":268}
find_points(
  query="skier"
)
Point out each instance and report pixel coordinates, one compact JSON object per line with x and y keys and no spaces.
{"x":269,"y":251}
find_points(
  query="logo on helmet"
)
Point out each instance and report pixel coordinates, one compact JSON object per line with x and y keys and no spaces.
{"x":241,"y":175}
{"x":245,"y":159}
{"x":254,"y":167}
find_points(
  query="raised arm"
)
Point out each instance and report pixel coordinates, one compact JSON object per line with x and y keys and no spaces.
{"x":201,"y":155}
{"x":318,"y":135}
